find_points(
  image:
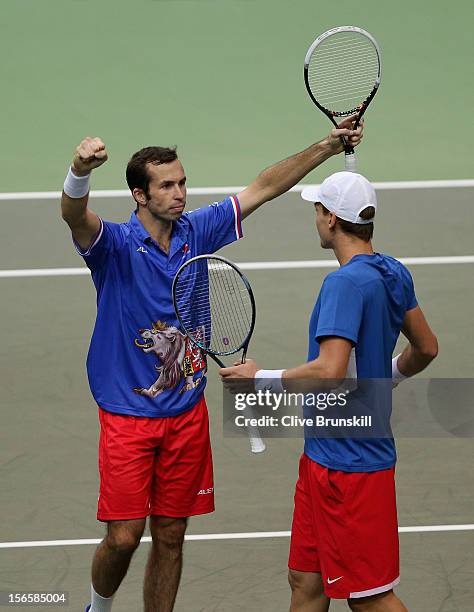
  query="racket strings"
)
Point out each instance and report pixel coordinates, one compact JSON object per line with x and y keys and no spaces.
{"x":350,"y":46}
{"x":330,"y":78}
{"x":235,"y":309}
{"x":348,"y":55}
{"x":214,"y":297}
{"x":355,"y":81}
{"x":222,"y":311}
{"x":343,"y":71}
{"x":191,"y":304}
{"x":228,"y":310}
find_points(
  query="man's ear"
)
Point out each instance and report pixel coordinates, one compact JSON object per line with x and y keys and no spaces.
{"x":332,"y":220}
{"x":139,"y":196}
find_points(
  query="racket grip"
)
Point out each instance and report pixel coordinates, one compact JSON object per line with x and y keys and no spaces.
{"x":350,"y":159}
{"x":257,"y":445}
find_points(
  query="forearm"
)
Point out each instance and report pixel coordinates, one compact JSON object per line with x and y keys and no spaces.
{"x":413,"y":360}
{"x":312,"y":376}
{"x":74,"y":209}
{"x":310,"y":370}
{"x":285,"y":174}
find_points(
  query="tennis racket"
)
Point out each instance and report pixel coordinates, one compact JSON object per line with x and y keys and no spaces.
{"x":342,"y":72}
{"x":215,"y":307}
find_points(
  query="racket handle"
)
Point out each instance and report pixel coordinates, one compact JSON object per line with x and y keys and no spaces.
{"x":257,"y":445}
{"x":350,"y":159}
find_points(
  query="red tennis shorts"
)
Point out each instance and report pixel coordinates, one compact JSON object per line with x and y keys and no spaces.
{"x":155,"y":466}
{"x":345,"y":528}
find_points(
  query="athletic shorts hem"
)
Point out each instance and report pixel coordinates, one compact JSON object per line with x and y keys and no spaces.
{"x":183,"y":514}
{"x":104,"y":518}
{"x":302,"y":567}
{"x":376,"y":591}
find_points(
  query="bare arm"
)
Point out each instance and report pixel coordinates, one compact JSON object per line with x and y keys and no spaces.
{"x":282,"y":176}
{"x":84,"y":223}
{"x":334,"y":353}
{"x":423,"y":346}
{"x":331,"y":364}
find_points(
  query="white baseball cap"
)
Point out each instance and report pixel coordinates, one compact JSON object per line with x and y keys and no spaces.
{"x":345,"y":194}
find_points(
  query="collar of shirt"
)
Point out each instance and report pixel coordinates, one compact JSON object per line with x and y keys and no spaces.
{"x":179,"y":235}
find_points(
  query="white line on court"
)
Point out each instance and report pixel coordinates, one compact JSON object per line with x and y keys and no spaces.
{"x":249,"y":265}
{"x":44,"y":272}
{"x":125,"y":193}
{"x":206,"y":537}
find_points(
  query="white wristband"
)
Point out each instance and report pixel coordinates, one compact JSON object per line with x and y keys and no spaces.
{"x":76,"y":186}
{"x":269,"y":380}
{"x":397,"y":376}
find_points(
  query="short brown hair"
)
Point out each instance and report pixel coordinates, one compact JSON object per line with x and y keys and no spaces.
{"x":137,"y":174}
{"x":363,"y":231}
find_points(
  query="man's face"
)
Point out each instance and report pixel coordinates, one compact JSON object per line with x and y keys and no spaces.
{"x":167,"y":190}
{"x":323,"y":227}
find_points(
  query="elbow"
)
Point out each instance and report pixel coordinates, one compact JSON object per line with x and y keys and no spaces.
{"x":430,"y":350}
{"x":73,"y":219}
{"x":433,"y":348}
{"x":433,"y":353}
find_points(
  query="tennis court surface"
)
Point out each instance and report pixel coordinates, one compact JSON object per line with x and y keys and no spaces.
{"x":236,"y":558}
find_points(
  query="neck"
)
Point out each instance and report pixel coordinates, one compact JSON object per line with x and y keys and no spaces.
{"x":347,"y":248}
{"x":160,"y":230}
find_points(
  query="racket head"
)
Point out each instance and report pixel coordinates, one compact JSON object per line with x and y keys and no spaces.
{"x":342,"y":71}
{"x":214,"y":304}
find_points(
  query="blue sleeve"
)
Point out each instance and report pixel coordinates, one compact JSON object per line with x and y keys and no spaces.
{"x":409,"y":289}
{"x":107,"y":240}
{"x":341,"y":309}
{"x":217,"y":225}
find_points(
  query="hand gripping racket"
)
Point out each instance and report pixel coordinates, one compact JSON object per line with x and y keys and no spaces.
{"x":215,"y":307}
{"x":342,"y":72}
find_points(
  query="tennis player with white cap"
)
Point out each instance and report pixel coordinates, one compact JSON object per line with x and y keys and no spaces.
{"x":344,"y":542}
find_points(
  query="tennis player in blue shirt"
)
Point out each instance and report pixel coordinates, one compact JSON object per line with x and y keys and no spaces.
{"x":344,"y":539}
{"x":148,"y":381}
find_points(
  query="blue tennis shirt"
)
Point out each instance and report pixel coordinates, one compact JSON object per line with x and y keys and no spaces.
{"x":364,"y":301}
{"x":139,"y":363}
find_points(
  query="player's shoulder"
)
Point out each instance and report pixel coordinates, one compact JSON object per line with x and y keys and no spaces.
{"x":377,"y":270}
{"x":365,"y":265}
{"x":204,"y":214}
{"x":365,"y":269}
{"x":121,"y":229}
{"x":390,"y":260}
{"x":342,"y":277}
{"x":335,"y":274}
{"x":395,"y":265}
{"x":114,"y":234}
{"x":189,"y":214}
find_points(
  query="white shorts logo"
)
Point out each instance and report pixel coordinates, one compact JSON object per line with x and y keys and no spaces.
{"x":334,"y":579}
{"x":206,"y":491}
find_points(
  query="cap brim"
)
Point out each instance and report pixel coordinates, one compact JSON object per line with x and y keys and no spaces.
{"x":311,"y":193}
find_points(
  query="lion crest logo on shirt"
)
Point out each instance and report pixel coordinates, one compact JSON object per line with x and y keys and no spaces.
{"x":178,"y":358}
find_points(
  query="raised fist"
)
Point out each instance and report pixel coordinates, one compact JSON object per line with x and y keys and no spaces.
{"x":89,"y":154}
